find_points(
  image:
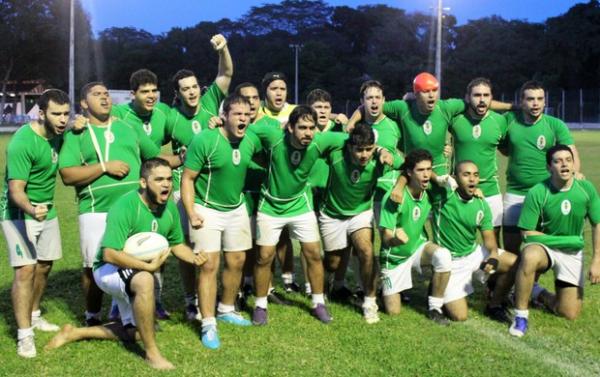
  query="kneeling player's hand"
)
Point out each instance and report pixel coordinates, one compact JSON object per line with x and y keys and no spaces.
{"x":200,"y":259}
{"x":40,"y":212}
{"x":158,"y":261}
{"x":196,"y":221}
{"x":117,"y":168}
{"x":595,"y":272}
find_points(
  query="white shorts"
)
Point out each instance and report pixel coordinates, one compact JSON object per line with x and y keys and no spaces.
{"x":512,"y":204}
{"x":566,"y":267}
{"x":497,"y":208}
{"x":399,"y":278}
{"x":111,"y":279}
{"x":91,"y":231}
{"x":335,"y":232}
{"x":182,"y":214}
{"x":461,"y":277}
{"x":303,"y":228}
{"x":30,"y":240}
{"x":227,"y":231}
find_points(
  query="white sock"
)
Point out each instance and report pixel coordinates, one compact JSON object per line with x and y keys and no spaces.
{"x":522,"y":313}
{"x":261,"y":302}
{"x":36,"y":314}
{"x":435,"y":303}
{"x":287,"y":277}
{"x":318,"y":299}
{"x":24,"y":333}
{"x":210,"y":321}
{"x":222,"y":308}
{"x":307,"y":288}
{"x":369,"y":301}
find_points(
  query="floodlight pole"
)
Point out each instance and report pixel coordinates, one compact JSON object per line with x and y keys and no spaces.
{"x":72,"y":56}
{"x":296,"y":48}
{"x":438,"y":47}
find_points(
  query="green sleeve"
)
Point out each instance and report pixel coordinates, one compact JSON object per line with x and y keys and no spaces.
{"x":563,"y":135}
{"x":196,"y":155}
{"x":398,"y":159}
{"x":395,"y":109}
{"x":510,"y":116}
{"x":486,"y":222}
{"x":148,"y":149}
{"x":19,"y":161}
{"x":593,"y":209}
{"x":267,"y":134}
{"x":321,"y":146}
{"x":117,"y":111}
{"x":175,"y":236}
{"x":557,"y":242}
{"x":389,"y":214}
{"x":211,"y":100}
{"x":118,"y":226}
{"x":170,"y":123}
{"x":532,"y":208}
{"x":70,"y":152}
{"x":453,"y":107}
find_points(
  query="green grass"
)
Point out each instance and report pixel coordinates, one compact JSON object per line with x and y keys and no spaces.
{"x":295,"y":344}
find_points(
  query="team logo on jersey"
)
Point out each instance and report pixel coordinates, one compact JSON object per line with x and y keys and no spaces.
{"x":565,"y":207}
{"x":427,"y":127}
{"x":196,"y":126}
{"x":479,"y":217}
{"x":477,"y":131}
{"x":148,"y":128}
{"x":416,"y":213}
{"x":54,"y":157}
{"x":355,"y":176}
{"x":109,"y":136}
{"x":296,"y":157}
{"x":541,"y":142}
{"x":376,"y":135}
{"x":154,"y":225}
{"x":236,"y":156}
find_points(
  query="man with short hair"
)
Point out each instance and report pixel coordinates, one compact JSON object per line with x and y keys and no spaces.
{"x":455,"y":225}
{"x":552,"y":221}
{"x":405,"y":248}
{"x":211,"y":190}
{"x":28,"y":216}
{"x":103,"y":163}
{"x":530,"y":134}
{"x":126,"y":278}
{"x":191,"y":115}
{"x":275,"y":104}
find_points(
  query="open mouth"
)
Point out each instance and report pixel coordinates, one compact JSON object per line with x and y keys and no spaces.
{"x":241,"y":127}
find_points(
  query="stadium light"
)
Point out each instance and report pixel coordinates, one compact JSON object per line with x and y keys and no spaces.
{"x":72,"y":56}
{"x":296,"y":48}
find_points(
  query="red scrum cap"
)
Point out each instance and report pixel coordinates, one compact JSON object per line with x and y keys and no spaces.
{"x":425,"y":82}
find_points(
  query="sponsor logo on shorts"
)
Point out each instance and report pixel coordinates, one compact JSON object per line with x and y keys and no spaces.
{"x":427,"y":127}
{"x":154,"y":225}
{"x":541,"y":142}
{"x":386,"y":282}
{"x":236,"y":156}
{"x":565,"y":207}
{"x":196,"y":126}
{"x":148,"y":128}
{"x":416,"y":213}
{"x":54,"y":157}
{"x":296,"y":157}
{"x":477,"y":131}
{"x":479,"y":217}
{"x":109,"y":136}
{"x":355,"y":176}
{"x":19,"y":251}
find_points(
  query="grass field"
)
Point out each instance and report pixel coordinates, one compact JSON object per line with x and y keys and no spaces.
{"x":296,"y":344}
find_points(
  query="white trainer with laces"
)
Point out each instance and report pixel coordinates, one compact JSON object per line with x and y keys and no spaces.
{"x":39,"y":323}
{"x":371,"y":314}
{"x":26,"y":347}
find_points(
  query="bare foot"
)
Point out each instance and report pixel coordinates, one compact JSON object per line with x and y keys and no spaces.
{"x":159,"y":362}
{"x":60,"y":339}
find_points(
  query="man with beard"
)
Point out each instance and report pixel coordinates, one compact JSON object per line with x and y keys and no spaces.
{"x":126,"y":278}
{"x":28,"y":215}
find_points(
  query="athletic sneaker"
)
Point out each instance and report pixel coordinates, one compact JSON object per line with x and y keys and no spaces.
{"x":497,"y":313}
{"x":114,"y":314}
{"x":41,"y":324}
{"x":518,"y":327}
{"x":26,"y":347}
{"x":260,"y":317}
{"x":275,"y":298}
{"x":292,"y":287}
{"x":320,"y":311}
{"x":438,"y":317}
{"x":92,"y":321}
{"x":192,"y":313}
{"x":370,"y":314}
{"x":210,"y":337}
{"x":233,"y":318}
{"x":342,"y":294}
{"x":162,"y":313}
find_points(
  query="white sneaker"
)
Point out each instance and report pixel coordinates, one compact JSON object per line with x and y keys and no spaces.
{"x":26,"y":347}
{"x":41,"y":324}
{"x":370,"y":314}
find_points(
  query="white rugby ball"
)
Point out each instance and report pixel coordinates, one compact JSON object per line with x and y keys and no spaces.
{"x":145,"y":245}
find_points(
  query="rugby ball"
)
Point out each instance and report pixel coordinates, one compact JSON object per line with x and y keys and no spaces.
{"x":145,"y":245}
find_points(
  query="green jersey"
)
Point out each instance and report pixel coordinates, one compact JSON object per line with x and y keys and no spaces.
{"x":284,"y":192}
{"x":130,"y":215}
{"x":426,"y":131}
{"x":560,"y":213}
{"x":411,"y":216}
{"x":181,"y":128}
{"x":350,"y":186}
{"x":527,"y":145}
{"x":320,"y":171}
{"x":457,"y":221}
{"x":117,"y":141}
{"x":222,"y":167}
{"x":153,"y":124}
{"x":387,"y":135}
{"x":477,"y":140}
{"x":33,"y":159}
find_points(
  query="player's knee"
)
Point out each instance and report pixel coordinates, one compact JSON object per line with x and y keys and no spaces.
{"x":529,"y":259}
{"x":569,"y":312}
{"x":365,"y":254}
{"x":142,"y":283}
{"x":265,"y":258}
{"x":210,"y":267}
{"x":457,"y":316}
{"x":24,"y":273}
{"x":392,"y":309}
{"x":236,"y":262}
{"x":331,"y":263}
{"x":312,"y":254}
{"x":441,"y":260}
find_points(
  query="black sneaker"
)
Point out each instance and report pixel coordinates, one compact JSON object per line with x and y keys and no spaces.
{"x":91,"y":322}
{"x":340,"y":295}
{"x":247,"y":290}
{"x":292,"y":287}
{"x":497,"y":313}
{"x":275,"y":298}
{"x":405,"y":297}
{"x":438,"y":317}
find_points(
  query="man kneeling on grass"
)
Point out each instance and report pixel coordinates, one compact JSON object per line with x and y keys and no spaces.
{"x":127,"y":279}
{"x":552,"y":222}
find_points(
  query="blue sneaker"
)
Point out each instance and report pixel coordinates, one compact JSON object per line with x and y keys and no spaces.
{"x":233,"y":318}
{"x":518,"y":327}
{"x":210,"y":337}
